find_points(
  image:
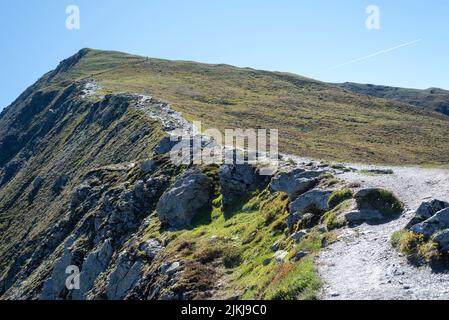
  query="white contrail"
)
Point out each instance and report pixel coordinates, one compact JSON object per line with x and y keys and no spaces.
{"x":374,"y":54}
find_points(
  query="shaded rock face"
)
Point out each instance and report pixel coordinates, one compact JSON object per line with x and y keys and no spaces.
{"x":434,"y":224}
{"x":426,"y":210}
{"x":295,"y":182}
{"x":432,"y":221}
{"x":191,"y":192}
{"x":237,"y":181}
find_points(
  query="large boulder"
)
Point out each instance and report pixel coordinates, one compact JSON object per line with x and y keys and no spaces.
{"x":426,"y":210}
{"x":295,"y":182}
{"x":238,"y":180}
{"x":190,"y":193}
{"x":315,"y":201}
{"x":434,"y":224}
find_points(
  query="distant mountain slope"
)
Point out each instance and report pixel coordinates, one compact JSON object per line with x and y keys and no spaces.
{"x":434,"y":99}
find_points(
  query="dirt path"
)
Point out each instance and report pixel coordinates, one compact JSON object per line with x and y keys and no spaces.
{"x":363,"y":265}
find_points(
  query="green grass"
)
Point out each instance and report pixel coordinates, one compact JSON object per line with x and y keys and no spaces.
{"x":241,"y":243}
{"x":383,"y":200}
{"x":314,"y":119}
{"x":339,"y":196}
{"x":415,"y":247}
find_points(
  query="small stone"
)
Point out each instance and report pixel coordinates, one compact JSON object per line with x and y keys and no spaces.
{"x":266,"y":262}
{"x":297,"y":236}
{"x":280,"y":255}
{"x":275,"y":247}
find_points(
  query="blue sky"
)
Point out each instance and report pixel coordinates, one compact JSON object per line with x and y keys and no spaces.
{"x":305,"y":37}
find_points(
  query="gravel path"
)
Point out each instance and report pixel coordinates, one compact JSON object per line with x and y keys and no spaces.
{"x":362,"y":264}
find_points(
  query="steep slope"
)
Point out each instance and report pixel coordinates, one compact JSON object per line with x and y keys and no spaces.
{"x":433,"y":99}
{"x":87,"y":183}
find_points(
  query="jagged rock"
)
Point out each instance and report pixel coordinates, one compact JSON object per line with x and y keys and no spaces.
{"x":54,"y":285}
{"x":426,"y":210}
{"x":171,"y":268}
{"x":280,"y":256}
{"x":123,"y":277}
{"x":295,"y":182}
{"x":312,"y":201}
{"x":151,"y":248}
{"x":94,"y":264}
{"x":190,"y":193}
{"x":239,"y":180}
{"x":436,"y":223}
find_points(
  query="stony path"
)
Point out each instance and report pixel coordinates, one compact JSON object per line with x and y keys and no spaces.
{"x":362,"y":264}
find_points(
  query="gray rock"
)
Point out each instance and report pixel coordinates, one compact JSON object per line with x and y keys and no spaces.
{"x":363,"y":215}
{"x":266,"y":262}
{"x":426,"y":210}
{"x":280,"y":256}
{"x":437,"y":222}
{"x":237,"y":181}
{"x":380,"y":171}
{"x":275,"y":247}
{"x":151,"y":248}
{"x":171,"y":268}
{"x":56,"y":283}
{"x":295,"y":182}
{"x":442,"y":238}
{"x":312,"y":201}
{"x":297,"y":236}
{"x":299,"y":255}
{"x":79,"y":194}
{"x":121,"y":280}
{"x":189,"y":194}
{"x":94,"y":264}
{"x":59,"y":184}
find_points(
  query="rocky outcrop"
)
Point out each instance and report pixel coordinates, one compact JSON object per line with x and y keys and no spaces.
{"x":426,"y":210}
{"x":123,"y":277}
{"x":295,"y":182}
{"x":238,"y":181}
{"x":190,"y":193}
{"x":312,"y":201}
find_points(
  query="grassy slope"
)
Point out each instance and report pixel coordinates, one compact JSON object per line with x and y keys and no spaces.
{"x":315,"y":119}
{"x":432,"y":99}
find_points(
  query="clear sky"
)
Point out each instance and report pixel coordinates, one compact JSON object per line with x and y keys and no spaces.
{"x":312,"y":38}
